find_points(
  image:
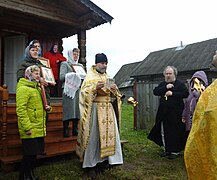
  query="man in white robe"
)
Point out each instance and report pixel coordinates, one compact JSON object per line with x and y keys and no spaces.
{"x":100,"y":110}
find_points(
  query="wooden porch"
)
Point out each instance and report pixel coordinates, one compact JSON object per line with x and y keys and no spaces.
{"x":10,"y":144}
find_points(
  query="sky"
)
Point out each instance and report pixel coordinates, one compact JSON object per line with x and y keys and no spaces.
{"x":140,"y":27}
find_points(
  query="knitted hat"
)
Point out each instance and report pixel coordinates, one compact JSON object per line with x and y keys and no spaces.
{"x":100,"y":58}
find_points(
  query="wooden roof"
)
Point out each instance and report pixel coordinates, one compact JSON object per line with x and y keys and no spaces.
{"x":192,"y":57}
{"x":122,"y":78}
{"x":62,"y":18}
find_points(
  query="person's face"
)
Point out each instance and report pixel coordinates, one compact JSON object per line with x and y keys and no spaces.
{"x":55,"y":48}
{"x":169,"y":75}
{"x":75,"y":56}
{"x":36,"y":75}
{"x":34,"y":53}
{"x":37,"y":46}
{"x":101,"y":67}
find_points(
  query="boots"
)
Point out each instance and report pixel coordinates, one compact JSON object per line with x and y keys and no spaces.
{"x":75,"y":127}
{"x":25,"y":176}
{"x":66,"y":128}
{"x":91,"y":172}
{"x":32,"y":175}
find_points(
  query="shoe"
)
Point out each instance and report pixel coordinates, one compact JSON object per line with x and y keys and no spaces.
{"x":24,"y":176}
{"x":165,"y":154}
{"x":173,"y":156}
{"x":75,"y":132}
{"x":33,"y":176}
{"x":66,"y":128}
{"x":43,"y":154}
{"x":101,"y":167}
{"x":91,"y":173}
{"x":75,"y":127}
{"x":65,"y":135}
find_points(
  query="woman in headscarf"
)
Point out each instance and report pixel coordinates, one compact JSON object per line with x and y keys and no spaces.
{"x":31,"y":118}
{"x":29,"y":60}
{"x":32,"y":59}
{"x":71,"y":84}
{"x":55,"y":58}
{"x":197,"y":85}
{"x":37,"y":45}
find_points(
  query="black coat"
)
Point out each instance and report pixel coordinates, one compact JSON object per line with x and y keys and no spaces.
{"x":170,"y":113}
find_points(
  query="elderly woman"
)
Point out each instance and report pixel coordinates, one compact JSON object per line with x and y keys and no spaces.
{"x":31,"y":118}
{"x":71,"y":83}
{"x":31,"y":57}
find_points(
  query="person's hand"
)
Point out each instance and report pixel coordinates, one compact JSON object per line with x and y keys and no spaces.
{"x":43,"y":82}
{"x":53,"y":84}
{"x":57,"y":61}
{"x":29,"y":132}
{"x":48,"y":108}
{"x":114,"y":87}
{"x":169,"y":86}
{"x":100,"y":85}
{"x":183,"y":120}
{"x":169,"y":93}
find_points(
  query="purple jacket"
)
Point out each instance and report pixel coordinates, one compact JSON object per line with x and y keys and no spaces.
{"x":192,"y":99}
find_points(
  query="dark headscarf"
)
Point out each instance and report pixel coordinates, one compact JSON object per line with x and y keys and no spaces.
{"x":33,"y":42}
{"x":27,"y":52}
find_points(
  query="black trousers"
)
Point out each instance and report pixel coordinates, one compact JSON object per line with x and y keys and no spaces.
{"x":27,"y":164}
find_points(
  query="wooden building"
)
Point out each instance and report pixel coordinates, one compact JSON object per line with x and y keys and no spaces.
{"x":124,"y":80}
{"x":148,"y":73}
{"x":48,"y":21}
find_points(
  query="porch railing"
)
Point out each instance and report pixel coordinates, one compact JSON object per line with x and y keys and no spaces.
{"x":4,"y":95}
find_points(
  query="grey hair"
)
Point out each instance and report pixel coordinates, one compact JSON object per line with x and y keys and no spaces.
{"x":173,"y":68}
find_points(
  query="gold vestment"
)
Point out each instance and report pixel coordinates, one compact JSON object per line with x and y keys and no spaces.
{"x":105,"y":113}
{"x":201,"y":148}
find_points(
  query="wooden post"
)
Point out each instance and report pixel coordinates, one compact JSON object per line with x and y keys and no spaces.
{"x":4,"y":101}
{"x":82,"y":47}
{"x":135,"y":107}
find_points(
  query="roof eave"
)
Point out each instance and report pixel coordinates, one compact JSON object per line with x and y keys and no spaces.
{"x":98,"y":10}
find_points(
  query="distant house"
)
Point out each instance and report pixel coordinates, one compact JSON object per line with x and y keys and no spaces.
{"x":124,"y":80}
{"x":148,"y":73}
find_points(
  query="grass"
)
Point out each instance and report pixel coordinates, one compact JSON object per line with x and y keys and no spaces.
{"x":141,"y":160}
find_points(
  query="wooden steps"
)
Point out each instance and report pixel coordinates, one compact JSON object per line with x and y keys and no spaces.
{"x":55,"y":143}
{"x":62,"y":146}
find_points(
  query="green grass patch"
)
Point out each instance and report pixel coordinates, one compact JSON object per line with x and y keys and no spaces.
{"x":141,"y":160}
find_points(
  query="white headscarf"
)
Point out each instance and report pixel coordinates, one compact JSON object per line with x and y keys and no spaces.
{"x":70,"y":58}
{"x":29,"y":70}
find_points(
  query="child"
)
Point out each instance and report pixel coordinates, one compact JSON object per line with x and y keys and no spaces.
{"x":31,"y":119}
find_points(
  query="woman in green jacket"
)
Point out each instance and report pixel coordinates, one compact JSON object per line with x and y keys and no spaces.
{"x":31,"y":119}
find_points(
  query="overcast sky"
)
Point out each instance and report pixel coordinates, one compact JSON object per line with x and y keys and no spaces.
{"x":140,"y":27}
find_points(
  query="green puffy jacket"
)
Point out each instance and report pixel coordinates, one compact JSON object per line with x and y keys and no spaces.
{"x":30,"y":111}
